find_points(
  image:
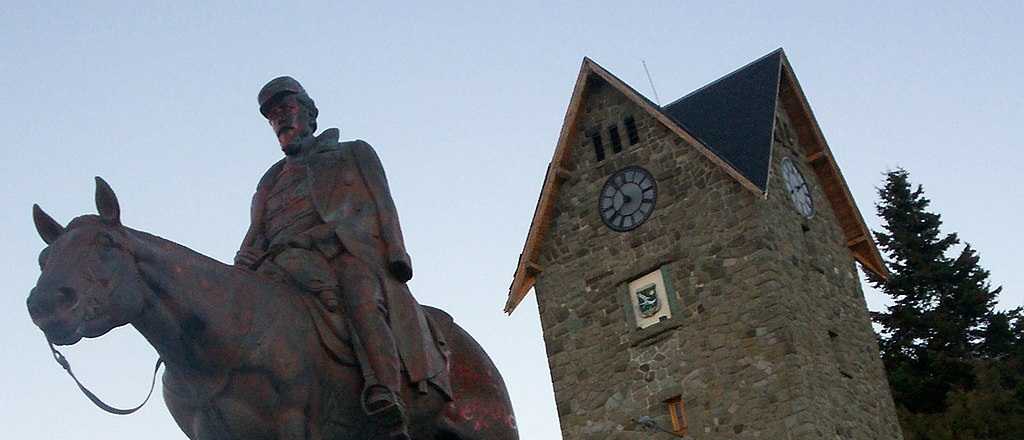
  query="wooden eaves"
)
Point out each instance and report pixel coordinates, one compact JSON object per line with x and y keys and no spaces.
{"x":858,"y":237}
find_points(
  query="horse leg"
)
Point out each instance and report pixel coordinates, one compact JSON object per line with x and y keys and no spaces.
{"x":298,"y":416}
{"x":290,"y":359}
{"x":203,"y":422}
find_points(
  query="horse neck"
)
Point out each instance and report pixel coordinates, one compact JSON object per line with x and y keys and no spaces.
{"x":200,"y":314}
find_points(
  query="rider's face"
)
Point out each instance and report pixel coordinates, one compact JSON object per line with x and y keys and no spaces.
{"x":288,"y":120}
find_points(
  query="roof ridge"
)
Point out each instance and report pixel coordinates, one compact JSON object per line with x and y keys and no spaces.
{"x":733,"y":116}
{"x":726,"y":76}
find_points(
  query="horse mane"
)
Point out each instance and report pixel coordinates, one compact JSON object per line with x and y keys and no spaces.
{"x":147,"y":238}
{"x":200,"y":283}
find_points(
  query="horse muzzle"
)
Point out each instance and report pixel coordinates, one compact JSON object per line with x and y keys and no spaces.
{"x":54,"y":312}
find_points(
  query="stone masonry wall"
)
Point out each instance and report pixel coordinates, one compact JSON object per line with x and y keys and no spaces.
{"x":726,"y":358}
{"x":752,"y":356}
{"x":846,"y":394}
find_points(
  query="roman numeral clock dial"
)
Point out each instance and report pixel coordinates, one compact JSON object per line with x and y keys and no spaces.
{"x":797,"y":188}
{"x":627,"y":199}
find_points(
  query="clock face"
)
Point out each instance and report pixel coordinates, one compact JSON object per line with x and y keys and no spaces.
{"x":627,"y":199}
{"x":797,"y":187}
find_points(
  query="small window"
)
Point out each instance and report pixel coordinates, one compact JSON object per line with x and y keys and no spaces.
{"x":613,"y":133}
{"x":631,"y":131}
{"x":598,"y":146}
{"x":677,"y":412}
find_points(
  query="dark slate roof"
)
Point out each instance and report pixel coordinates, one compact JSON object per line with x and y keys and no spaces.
{"x":734,"y":116}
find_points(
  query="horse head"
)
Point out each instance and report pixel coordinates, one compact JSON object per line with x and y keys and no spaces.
{"x":90,"y":282}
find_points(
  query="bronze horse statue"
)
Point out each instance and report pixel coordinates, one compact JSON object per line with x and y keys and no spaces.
{"x":243,"y":357}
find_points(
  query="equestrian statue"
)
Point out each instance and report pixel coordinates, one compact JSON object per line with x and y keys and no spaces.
{"x":312,"y":333}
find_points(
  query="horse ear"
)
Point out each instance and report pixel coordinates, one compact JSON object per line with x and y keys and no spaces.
{"x":47,"y":227}
{"x":106,"y":202}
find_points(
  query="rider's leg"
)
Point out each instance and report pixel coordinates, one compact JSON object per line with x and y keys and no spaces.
{"x":362,"y":298}
{"x":363,"y":301}
{"x":311,"y":271}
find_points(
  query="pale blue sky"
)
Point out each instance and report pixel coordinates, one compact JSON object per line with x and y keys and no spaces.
{"x":463,"y":102}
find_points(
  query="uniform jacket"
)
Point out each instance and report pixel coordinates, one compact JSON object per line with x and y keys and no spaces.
{"x":350,"y":192}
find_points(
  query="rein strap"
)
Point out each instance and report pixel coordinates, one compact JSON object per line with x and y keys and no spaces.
{"x":57,"y":356}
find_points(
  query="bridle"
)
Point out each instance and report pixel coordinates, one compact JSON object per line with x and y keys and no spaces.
{"x":63,"y":362}
{"x":57,"y":356}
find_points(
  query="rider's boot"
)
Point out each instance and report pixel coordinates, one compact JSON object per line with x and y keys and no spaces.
{"x":386,"y":408}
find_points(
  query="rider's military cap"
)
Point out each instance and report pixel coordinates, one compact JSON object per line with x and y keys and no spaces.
{"x":278,"y":86}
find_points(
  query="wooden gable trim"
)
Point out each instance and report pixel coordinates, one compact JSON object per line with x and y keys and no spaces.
{"x":524,"y":277}
{"x":856,"y":233}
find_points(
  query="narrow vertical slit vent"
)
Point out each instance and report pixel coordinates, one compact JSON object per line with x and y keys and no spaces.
{"x":598,"y":145}
{"x":613,"y":133}
{"x":631,"y":133}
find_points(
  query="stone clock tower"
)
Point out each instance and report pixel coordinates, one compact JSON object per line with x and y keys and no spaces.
{"x":694,"y":266}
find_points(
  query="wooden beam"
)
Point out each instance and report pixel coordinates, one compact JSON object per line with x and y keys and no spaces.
{"x":814,"y":157}
{"x":521,"y":286}
{"x":562,"y":173}
{"x":856,"y":240}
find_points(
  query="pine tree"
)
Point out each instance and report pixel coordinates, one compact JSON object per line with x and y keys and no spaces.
{"x":1005,"y":335}
{"x":941,"y":305}
{"x":948,"y":353}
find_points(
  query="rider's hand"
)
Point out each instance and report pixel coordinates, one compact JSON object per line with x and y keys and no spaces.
{"x":247,"y":257}
{"x":399,"y":264}
{"x":401,"y":270}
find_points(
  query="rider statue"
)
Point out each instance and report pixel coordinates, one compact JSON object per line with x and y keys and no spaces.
{"x":323,"y":219}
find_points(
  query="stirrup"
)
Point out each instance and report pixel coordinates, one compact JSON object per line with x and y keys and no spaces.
{"x":387,"y":413}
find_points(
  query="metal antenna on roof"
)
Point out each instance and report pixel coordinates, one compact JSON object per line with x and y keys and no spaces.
{"x":651,"y":81}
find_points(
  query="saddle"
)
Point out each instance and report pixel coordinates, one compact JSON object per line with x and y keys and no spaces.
{"x":337,"y":337}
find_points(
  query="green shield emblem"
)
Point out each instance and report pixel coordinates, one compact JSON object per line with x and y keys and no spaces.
{"x":647,"y":300}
